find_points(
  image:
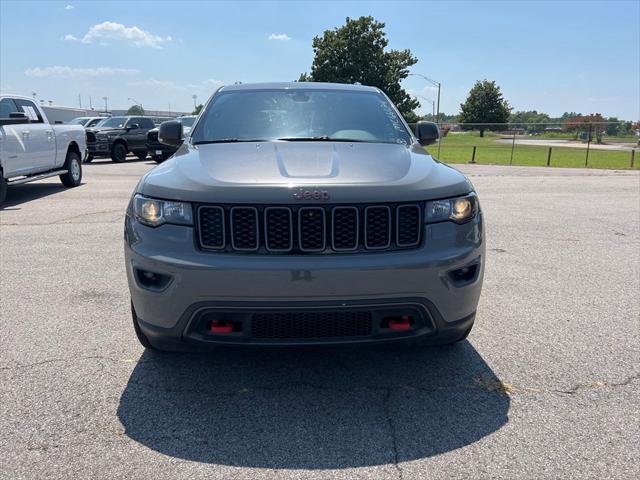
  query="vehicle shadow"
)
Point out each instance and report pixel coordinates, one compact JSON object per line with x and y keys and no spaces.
{"x":26,"y":192}
{"x":108,"y":161}
{"x":312,"y":409}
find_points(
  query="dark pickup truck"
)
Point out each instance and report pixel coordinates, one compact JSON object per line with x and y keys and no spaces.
{"x":118,"y":136}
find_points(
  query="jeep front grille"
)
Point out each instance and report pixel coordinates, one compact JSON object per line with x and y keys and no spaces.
{"x":309,"y":229}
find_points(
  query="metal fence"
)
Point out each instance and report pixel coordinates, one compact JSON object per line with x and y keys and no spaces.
{"x":595,"y":145}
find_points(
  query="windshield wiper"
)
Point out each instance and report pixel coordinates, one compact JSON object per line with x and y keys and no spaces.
{"x":229,"y":140}
{"x":321,"y":138}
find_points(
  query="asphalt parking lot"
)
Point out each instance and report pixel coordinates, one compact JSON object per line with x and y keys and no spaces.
{"x":547,"y":386}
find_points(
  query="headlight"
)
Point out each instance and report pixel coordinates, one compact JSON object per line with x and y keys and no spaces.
{"x":154,"y":212}
{"x":459,"y":209}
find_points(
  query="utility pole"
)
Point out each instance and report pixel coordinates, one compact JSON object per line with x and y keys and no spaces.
{"x":194,"y":96}
{"x":106,"y":109}
{"x":80,"y":100}
{"x":90,"y":103}
{"x":432,"y":82}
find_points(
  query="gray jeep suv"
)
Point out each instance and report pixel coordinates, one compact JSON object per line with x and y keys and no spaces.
{"x":302,"y":214}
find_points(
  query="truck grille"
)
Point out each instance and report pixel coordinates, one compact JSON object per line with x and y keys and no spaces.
{"x":309,"y":229}
{"x":311,"y":324}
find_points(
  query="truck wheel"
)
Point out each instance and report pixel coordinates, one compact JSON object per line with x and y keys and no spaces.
{"x":118,"y":153}
{"x":3,"y":188}
{"x":141,"y":155}
{"x":73,"y":177}
{"x":89,"y":159}
{"x":142,"y":338}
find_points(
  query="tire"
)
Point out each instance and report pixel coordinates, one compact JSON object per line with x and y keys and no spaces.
{"x":142,"y":338}
{"x":142,"y":156}
{"x":3,"y":188}
{"x":73,"y":165}
{"x":118,"y":153}
{"x":89,"y":159}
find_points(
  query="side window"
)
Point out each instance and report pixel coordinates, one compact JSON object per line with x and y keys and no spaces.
{"x":146,"y":123}
{"x":7,"y":106}
{"x":30,"y":110}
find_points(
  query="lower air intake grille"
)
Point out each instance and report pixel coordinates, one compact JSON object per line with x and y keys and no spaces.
{"x":311,"y":324}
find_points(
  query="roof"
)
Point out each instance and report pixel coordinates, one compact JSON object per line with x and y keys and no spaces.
{"x":300,"y":86}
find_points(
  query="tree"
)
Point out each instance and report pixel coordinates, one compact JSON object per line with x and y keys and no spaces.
{"x":592,"y":125}
{"x":530,"y":121}
{"x":484,"y":106}
{"x":355,"y":52}
{"x":613,"y":128}
{"x":135,"y":110}
{"x":197,"y":110}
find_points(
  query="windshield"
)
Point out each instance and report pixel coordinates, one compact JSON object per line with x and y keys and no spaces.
{"x":187,"y":121}
{"x":113,"y":122}
{"x":79,"y":121}
{"x":300,"y":115}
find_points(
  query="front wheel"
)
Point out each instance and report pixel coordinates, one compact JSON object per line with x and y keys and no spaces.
{"x":142,"y":338}
{"x":72,"y":164}
{"x":118,"y":153}
{"x":3,"y":188}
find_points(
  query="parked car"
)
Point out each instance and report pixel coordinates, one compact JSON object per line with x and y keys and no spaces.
{"x":159,"y":151}
{"x":115,"y":137}
{"x":86,"y":122}
{"x":302,"y":214}
{"x":32,"y":149}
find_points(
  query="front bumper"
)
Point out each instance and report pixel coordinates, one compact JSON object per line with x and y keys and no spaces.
{"x":99,"y":149}
{"x":157,"y":149}
{"x":199,"y":281}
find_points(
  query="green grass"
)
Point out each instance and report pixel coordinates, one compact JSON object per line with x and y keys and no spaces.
{"x":457,"y":148}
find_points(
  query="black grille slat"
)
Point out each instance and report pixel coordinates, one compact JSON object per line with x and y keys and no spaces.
{"x":278,"y":229}
{"x":312,"y":229}
{"x":212,"y":230}
{"x":345,"y":228}
{"x":321,"y":229}
{"x":244,"y":228}
{"x":377,"y":227}
{"x":409,"y":225}
{"x":322,"y":324}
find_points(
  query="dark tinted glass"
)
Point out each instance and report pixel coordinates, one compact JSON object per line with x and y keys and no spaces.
{"x":7,"y":106}
{"x":30,"y":110}
{"x":301,"y":113}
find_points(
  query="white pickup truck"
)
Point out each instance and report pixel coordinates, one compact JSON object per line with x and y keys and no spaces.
{"x":32,"y":149}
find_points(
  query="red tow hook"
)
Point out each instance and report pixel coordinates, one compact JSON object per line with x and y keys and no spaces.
{"x":400,"y":324}
{"x":220,"y":326}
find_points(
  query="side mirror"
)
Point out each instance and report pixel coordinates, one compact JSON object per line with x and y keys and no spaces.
{"x":133,"y":126}
{"x":170,"y":133}
{"x":15,"y":118}
{"x":427,"y":133}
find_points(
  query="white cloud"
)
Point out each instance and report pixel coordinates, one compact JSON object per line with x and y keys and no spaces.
{"x":117,"y":31}
{"x":69,"y":7}
{"x":155,"y":83}
{"x":70,"y":38}
{"x":71,"y":72}
{"x":279,"y":36}
{"x":212,"y":82}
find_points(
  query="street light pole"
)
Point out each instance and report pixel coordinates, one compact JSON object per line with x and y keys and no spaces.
{"x":433,"y":104}
{"x":106,"y":109}
{"x":432,"y":82}
{"x":194,"y":96}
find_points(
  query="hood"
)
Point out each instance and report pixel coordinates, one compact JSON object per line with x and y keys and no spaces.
{"x":272,"y":172}
{"x":106,"y":130}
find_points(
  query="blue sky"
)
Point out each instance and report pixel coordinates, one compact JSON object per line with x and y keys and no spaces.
{"x":550,"y":56}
